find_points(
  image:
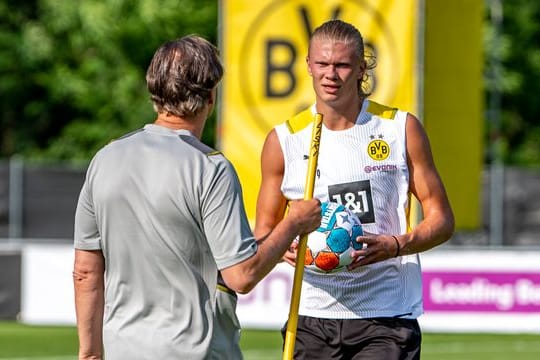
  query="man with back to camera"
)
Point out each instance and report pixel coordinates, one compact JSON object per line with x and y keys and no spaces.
{"x":158,"y":216}
{"x":371,"y":158}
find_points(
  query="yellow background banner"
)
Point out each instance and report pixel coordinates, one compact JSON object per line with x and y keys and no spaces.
{"x":264,"y":45}
{"x":453,"y":102}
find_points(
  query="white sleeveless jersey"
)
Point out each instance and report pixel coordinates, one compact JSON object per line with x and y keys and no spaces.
{"x":365,"y":169}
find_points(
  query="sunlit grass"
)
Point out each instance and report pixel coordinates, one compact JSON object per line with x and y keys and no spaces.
{"x":24,"y":342}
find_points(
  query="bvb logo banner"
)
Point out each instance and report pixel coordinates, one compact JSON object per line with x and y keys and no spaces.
{"x":264,"y":46}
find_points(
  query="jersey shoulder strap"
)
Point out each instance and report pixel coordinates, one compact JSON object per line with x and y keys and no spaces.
{"x":299,"y":121}
{"x":382,"y":111}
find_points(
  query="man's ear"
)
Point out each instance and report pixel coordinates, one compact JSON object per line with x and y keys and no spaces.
{"x":308,"y":68}
{"x":212,"y":97}
{"x":363,"y":68}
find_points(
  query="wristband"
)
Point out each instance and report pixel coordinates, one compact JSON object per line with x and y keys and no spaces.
{"x":398,"y":249}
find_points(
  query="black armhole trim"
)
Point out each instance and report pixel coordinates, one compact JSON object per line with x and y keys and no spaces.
{"x":205,"y":149}
{"x":127,"y":135}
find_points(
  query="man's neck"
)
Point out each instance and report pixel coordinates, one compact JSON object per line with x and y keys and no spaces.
{"x":340,"y":117}
{"x":194,"y":125}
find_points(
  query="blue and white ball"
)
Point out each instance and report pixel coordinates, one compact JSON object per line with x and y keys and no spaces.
{"x":329,"y":248}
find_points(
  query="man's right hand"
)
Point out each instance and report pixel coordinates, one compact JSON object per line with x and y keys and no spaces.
{"x":306,"y":214}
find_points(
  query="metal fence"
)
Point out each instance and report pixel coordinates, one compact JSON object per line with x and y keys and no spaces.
{"x":37,"y":203}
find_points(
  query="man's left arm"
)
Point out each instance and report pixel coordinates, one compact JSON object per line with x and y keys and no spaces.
{"x":88,"y":281}
{"x":437,"y":225}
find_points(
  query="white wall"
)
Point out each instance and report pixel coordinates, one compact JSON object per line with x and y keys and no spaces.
{"x":464,"y":290}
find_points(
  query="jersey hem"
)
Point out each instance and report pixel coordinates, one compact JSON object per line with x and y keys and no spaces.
{"x":404,"y":314}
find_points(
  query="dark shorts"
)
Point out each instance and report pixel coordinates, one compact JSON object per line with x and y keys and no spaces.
{"x":369,"y":339}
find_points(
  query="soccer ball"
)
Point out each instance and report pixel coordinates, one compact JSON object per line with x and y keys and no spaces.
{"x":329,"y":248}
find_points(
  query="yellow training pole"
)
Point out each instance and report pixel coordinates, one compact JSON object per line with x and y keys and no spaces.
{"x":290,"y":335}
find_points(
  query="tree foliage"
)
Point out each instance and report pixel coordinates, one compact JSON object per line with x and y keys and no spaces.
{"x":517,"y":48}
{"x":73,"y":71}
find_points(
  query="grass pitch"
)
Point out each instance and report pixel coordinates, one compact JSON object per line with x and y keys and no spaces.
{"x":266,"y":345}
{"x":24,"y":342}
{"x":21,"y":342}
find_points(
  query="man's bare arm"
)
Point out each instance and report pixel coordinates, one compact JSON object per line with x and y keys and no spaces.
{"x":274,"y":231}
{"x":88,"y":281}
{"x":425,"y":183}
